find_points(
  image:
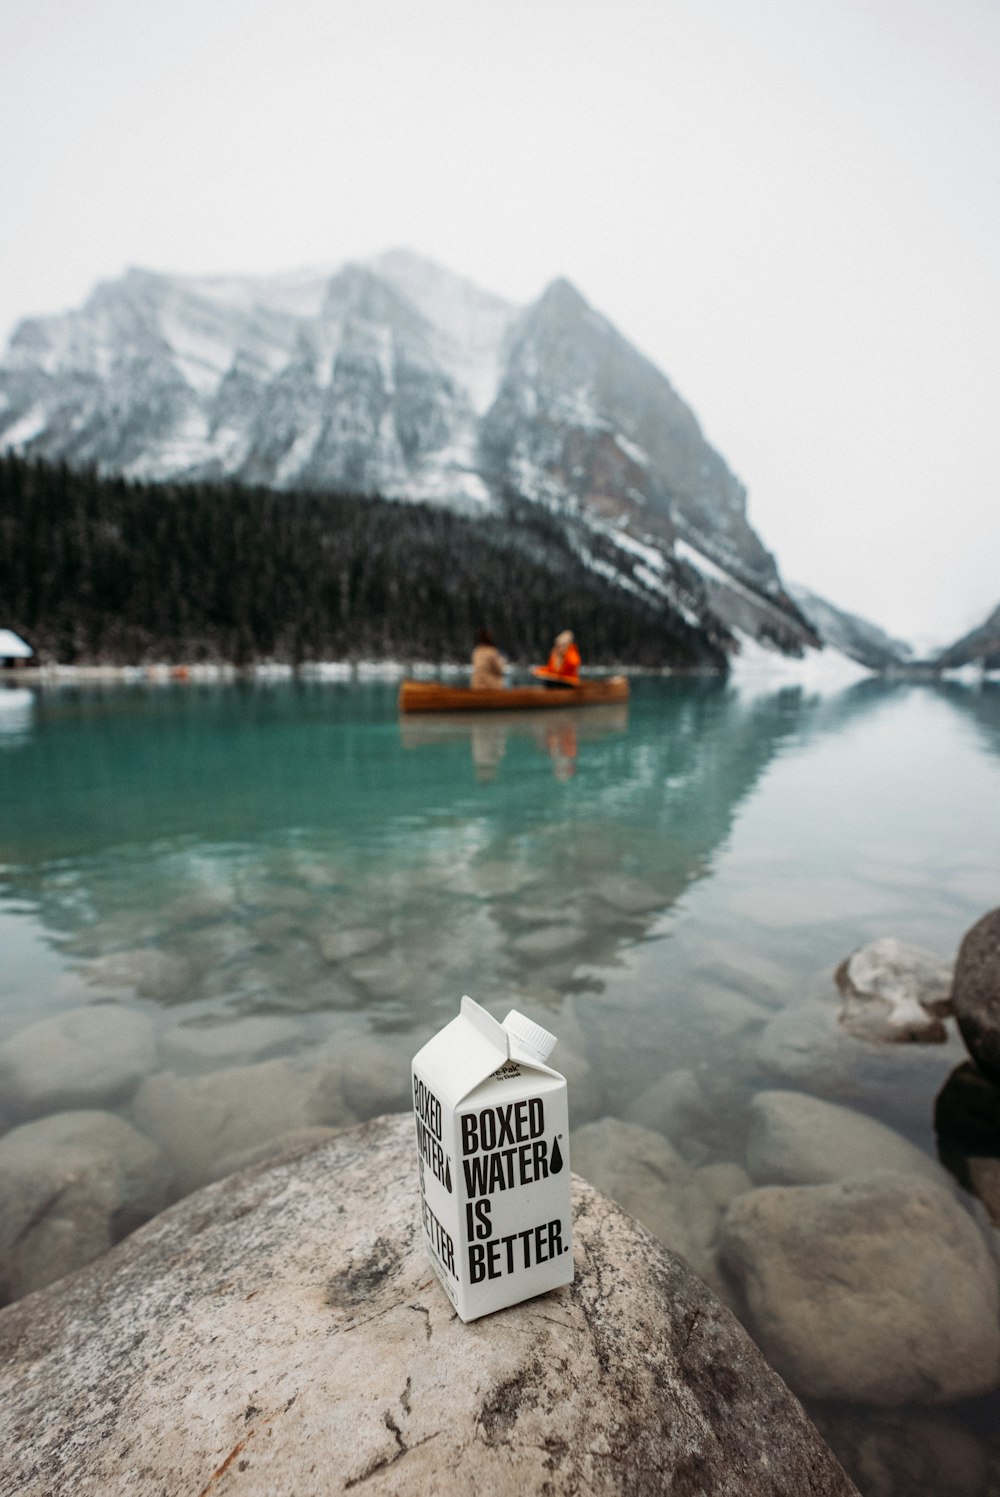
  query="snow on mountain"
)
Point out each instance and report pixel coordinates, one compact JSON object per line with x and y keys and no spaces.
{"x":855,"y":637}
{"x":400,"y":378}
{"x":979,"y":649}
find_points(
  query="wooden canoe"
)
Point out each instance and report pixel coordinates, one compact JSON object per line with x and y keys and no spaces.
{"x":436,"y":696}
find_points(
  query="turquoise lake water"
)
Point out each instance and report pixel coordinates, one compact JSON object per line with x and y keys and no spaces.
{"x":667,"y":886}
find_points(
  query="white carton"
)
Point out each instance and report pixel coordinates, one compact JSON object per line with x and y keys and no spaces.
{"x":493,"y":1149}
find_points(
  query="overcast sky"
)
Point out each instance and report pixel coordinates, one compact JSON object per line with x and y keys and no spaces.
{"x":792,"y":206}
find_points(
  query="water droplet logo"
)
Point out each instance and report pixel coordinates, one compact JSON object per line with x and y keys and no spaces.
{"x":556,"y":1162}
{"x":447,"y":1175}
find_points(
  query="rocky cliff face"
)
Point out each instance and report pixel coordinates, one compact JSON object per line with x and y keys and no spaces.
{"x":398,"y":378}
{"x":855,"y":637}
{"x":980,"y":647}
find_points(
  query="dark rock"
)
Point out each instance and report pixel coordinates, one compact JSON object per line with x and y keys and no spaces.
{"x":282,"y":1331}
{"x":967,"y":1123}
{"x":967,"y":1113}
{"x":906,"y":1454}
{"x":976,"y":993}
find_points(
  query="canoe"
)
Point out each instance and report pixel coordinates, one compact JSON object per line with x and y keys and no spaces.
{"x":435,"y":696}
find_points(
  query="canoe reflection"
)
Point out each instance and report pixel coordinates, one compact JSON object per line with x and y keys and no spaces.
{"x":556,"y":733}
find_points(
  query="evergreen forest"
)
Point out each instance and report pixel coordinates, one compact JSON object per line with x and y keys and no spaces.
{"x":97,"y":569}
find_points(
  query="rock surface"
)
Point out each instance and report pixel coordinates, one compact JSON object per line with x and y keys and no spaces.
{"x":800,"y":1140}
{"x":895,"y":993}
{"x":71,"y":1186}
{"x":879,"y":1290}
{"x":282,"y":1333}
{"x":976,"y":993}
{"x":86,"y":1057}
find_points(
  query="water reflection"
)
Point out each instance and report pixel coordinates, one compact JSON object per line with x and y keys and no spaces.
{"x":290,"y":888}
{"x":555,"y":733}
{"x":16,"y":708}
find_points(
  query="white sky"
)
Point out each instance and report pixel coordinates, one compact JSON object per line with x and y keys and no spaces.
{"x":792,"y":206}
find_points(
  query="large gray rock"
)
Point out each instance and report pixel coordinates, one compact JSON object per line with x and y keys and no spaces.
{"x":643,"y":1172}
{"x":86,"y":1057}
{"x":796,"y":1139}
{"x":71,"y":1185}
{"x":282,"y":1332}
{"x":976,"y":993}
{"x":895,"y":992}
{"x":879,"y":1290}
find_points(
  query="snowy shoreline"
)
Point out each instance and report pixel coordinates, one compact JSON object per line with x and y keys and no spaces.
{"x":754,"y":667}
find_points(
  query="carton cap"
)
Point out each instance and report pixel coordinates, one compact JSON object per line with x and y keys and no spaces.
{"x":530,"y":1034}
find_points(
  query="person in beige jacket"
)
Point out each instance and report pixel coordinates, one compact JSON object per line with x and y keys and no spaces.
{"x":488,"y":664}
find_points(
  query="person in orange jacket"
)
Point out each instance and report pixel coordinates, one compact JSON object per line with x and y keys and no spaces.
{"x":563,"y":668}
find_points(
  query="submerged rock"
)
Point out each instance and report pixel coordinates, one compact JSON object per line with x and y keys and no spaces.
{"x":723,"y":1181}
{"x":147,"y":971}
{"x":86,"y":1057}
{"x":71,"y":1185}
{"x":907,"y":1455}
{"x":672,"y":1105}
{"x":895,"y":993}
{"x":806,"y":1046}
{"x":200,"y":1120}
{"x":643,"y":1172}
{"x":282,"y":1331}
{"x":228,"y":1039}
{"x":345,"y":945}
{"x":976,"y":993}
{"x":879,"y":1290}
{"x":796,"y":1139}
{"x":549,"y":941}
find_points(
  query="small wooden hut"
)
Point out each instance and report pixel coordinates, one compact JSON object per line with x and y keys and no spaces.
{"x":14,"y":653}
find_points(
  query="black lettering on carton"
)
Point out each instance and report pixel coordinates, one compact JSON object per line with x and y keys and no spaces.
{"x":502,"y":1126}
{"x":440,"y":1241}
{"x":426,"y":1106}
{"x":515,"y":1251}
{"x":506,"y":1169}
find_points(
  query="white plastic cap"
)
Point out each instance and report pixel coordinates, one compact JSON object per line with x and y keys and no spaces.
{"x":531,"y":1035}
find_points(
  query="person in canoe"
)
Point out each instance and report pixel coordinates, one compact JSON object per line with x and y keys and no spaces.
{"x":563,"y":668}
{"x":488,"y":664}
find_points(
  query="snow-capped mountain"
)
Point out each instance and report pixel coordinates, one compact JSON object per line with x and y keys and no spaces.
{"x":397,"y":377}
{"x":857,"y":638}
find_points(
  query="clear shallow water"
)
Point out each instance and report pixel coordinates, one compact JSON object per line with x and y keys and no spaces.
{"x":664,"y":886}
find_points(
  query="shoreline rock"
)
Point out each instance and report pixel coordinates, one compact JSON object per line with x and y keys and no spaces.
{"x":895,"y":993}
{"x":283,"y":1331}
{"x":878,"y":1290}
{"x":976,"y":993}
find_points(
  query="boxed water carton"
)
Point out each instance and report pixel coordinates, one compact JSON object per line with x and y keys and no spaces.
{"x":493,"y":1150}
